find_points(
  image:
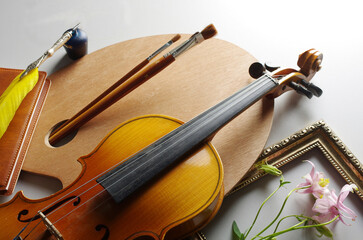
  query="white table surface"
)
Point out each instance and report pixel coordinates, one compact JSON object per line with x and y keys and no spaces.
{"x":272,"y":31}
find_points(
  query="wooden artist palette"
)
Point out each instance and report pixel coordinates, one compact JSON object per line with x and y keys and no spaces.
{"x":199,"y":79}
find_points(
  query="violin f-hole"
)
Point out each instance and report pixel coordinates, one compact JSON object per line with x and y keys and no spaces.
{"x":100,"y":227}
{"x":25,"y":212}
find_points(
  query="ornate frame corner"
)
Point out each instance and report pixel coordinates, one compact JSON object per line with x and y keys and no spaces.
{"x":316,"y":136}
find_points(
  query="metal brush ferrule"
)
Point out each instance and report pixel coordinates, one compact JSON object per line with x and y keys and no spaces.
{"x":195,"y":39}
{"x":166,"y":45}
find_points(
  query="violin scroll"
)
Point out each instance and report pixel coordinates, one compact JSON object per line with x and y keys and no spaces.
{"x":291,"y":79}
{"x":310,"y":62}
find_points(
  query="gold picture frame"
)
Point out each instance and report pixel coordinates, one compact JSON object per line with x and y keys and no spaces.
{"x":316,"y":136}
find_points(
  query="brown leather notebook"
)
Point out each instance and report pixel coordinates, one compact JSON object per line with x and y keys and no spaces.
{"x":15,"y":141}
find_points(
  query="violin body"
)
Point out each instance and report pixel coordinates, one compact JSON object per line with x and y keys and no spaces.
{"x":178,"y":202}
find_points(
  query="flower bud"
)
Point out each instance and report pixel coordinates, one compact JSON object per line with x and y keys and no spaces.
{"x":324,"y":231}
{"x":270,"y":169}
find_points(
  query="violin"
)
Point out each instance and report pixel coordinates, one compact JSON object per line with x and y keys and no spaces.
{"x":152,"y":177}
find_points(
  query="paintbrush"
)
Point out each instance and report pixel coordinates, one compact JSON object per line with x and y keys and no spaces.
{"x":128,"y":83}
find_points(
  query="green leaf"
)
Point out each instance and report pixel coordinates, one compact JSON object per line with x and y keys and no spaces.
{"x":282,"y":179}
{"x":236,"y":232}
{"x":283,"y":183}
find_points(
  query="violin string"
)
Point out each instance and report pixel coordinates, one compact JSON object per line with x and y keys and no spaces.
{"x":91,"y":188}
{"x":255,"y":85}
{"x":97,"y":195}
{"x":22,"y":230}
{"x":73,"y":210}
{"x":182,"y":139}
{"x":95,"y":178}
{"x":103,"y":190}
{"x":83,"y":192}
{"x":26,"y":236}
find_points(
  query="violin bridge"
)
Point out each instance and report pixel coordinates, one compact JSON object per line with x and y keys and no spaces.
{"x":51,"y":228}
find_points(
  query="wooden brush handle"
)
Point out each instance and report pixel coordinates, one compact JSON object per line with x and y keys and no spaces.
{"x":104,"y":94}
{"x":110,"y":96}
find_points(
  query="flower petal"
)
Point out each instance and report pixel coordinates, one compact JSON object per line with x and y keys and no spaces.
{"x":322,"y":205}
{"x":345,"y":191}
{"x":312,"y":172}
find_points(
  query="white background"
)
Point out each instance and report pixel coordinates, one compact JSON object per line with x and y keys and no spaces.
{"x":274,"y":31}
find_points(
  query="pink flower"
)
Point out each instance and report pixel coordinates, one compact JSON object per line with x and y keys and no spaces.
{"x":316,"y":182}
{"x":330,"y":206}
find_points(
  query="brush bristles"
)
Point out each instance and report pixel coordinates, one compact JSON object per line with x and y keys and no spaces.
{"x":175,"y":38}
{"x":209,"y":31}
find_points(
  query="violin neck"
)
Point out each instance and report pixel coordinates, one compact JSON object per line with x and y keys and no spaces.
{"x":149,"y":162}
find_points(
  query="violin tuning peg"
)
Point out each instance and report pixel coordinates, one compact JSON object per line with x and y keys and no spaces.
{"x":317,"y":91}
{"x":270,"y":67}
{"x":300,"y":89}
{"x":312,"y":88}
{"x":256,"y":70}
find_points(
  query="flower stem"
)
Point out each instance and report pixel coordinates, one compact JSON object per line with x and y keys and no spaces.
{"x":259,"y":210}
{"x":279,"y":213}
{"x":296,"y":216}
{"x":296,"y":227}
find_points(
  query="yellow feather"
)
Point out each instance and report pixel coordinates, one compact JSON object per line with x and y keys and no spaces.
{"x":12,"y":97}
